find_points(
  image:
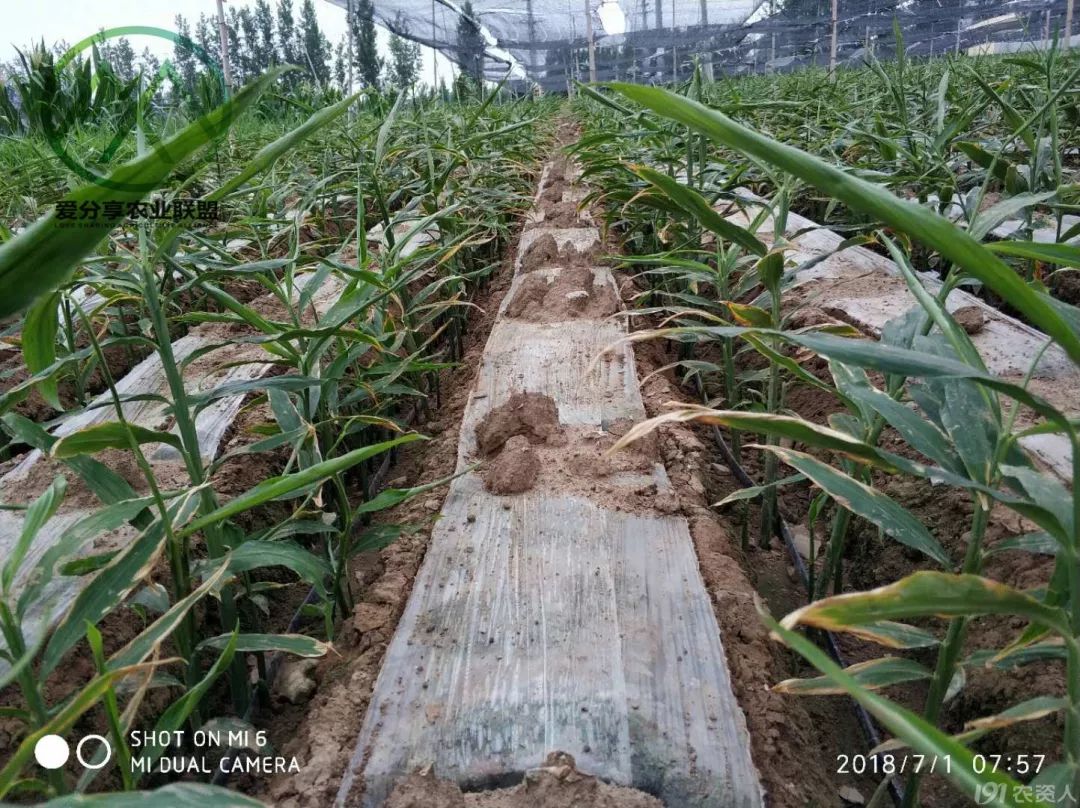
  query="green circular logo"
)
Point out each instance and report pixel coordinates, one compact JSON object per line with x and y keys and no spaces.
{"x":143,"y":99}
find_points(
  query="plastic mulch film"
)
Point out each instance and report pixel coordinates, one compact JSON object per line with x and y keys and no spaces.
{"x":654,"y":41}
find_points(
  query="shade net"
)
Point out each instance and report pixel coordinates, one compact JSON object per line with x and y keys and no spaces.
{"x":546,"y":42}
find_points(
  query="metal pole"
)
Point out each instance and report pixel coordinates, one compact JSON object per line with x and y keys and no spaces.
{"x":832,"y":41}
{"x":349,"y":31}
{"x":1068,"y":24}
{"x":571,"y":53}
{"x":532,"y":38}
{"x":592,"y":44}
{"x":223,"y":33}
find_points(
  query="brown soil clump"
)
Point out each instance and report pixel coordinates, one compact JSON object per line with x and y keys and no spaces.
{"x":970,"y":318}
{"x":514,"y":469}
{"x":543,"y":252}
{"x":576,"y":461}
{"x":573,"y":293}
{"x":1065,"y":286}
{"x":562,"y":213}
{"x":425,"y":790}
{"x":533,"y":415}
{"x":556,"y":784}
{"x":553,"y":193}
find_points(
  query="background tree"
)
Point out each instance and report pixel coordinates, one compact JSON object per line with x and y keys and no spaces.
{"x":340,"y":69}
{"x":236,"y":47}
{"x":206,"y":37}
{"x":265,"y":55}
{"x":286,"y":32}
{"x":470,"y":46}
{"x":404,"y":55}
{"x":316,"y":48}
{"x":184,"y":57}
{"x":366,"y":56}
{"x":150,"y":65}
{"x":123,"y":59}
{"x":250,"y":55}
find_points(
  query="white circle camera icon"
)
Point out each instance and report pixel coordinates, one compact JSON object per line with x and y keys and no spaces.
{"x":51,"y":751}
{"x":89,"y":764}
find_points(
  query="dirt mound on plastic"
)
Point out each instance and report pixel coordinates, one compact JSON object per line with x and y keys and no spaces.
{"x":556,"y":784}
{"x":555,"y":191}
{"x":573,"y":293}
{"x":514,"y":469}
{"x":533,"y":415}
{"x":544,"y":252}
{"x":526,"y":448}
{"x":561,"y":213}
{"x":970,"y":318}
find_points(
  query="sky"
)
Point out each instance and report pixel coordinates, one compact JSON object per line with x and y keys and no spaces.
{"x":612,"y":17}
{"x":72,"y":20}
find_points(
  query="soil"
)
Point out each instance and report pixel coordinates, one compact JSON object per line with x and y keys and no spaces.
{"x":544,"y":252}
{"x":556,"y":784}
{"x":970,"y":318}
{"x":514,"y":469}
{"x":578,"y":461}
{"x":1065,"y":285}
{"x":574,"y":292}
{"x":555,"y":188}
{"x":532,"y":415}
{"x":559,"y":213}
